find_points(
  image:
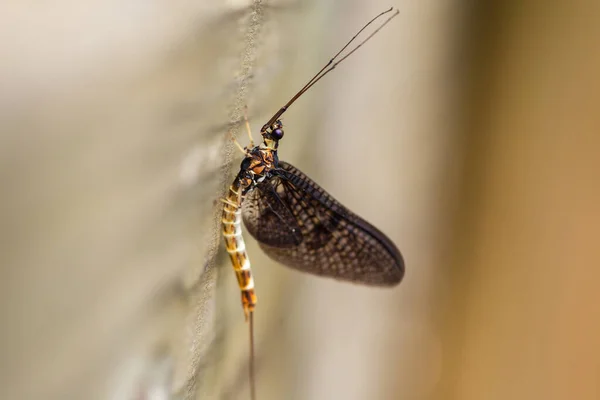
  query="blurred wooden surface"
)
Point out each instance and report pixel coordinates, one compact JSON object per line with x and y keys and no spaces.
{"x":524,"y":320}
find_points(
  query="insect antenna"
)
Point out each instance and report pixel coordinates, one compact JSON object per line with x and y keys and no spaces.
{"x":330,"y":66}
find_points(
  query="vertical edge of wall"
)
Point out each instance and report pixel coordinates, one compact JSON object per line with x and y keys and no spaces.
{"x":114,"y":122}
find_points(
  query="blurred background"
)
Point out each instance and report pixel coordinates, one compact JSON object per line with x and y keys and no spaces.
{"x":469,"y":133}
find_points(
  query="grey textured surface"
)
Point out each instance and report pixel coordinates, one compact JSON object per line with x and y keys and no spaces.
{"x":114,"y":151}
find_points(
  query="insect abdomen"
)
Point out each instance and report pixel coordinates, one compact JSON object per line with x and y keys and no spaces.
{"x":234,"y":242}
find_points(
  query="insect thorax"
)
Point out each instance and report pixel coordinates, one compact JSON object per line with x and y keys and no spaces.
{"x":257,"y":166}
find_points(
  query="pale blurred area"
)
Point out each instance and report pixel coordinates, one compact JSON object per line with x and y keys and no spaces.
{"x":469,"y":134}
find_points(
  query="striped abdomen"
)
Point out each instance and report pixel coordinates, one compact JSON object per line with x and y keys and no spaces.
{"x":234,"y":242}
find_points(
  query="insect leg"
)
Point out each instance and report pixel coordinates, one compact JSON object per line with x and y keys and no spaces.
{"x":248,"y":127}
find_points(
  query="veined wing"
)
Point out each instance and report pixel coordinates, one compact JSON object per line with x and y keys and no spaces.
{"x":268,"y":218}
{"x":300,"y":225}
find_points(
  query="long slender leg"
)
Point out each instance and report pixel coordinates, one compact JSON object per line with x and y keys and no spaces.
{"x":234,"y":140}
{"x":248,"y":127}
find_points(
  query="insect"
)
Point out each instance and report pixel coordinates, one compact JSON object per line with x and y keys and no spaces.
{"x":295,"y":221}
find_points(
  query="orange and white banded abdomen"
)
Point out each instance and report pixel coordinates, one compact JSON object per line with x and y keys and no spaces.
{"x":234,"y":242}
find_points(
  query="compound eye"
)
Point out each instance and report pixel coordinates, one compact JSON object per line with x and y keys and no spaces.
{"x":277,"y":134}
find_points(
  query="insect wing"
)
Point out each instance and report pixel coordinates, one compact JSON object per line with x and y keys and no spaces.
{"x":268,"y":218}
{"x":334,"y":241}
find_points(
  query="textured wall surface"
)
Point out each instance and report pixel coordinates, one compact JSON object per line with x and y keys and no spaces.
{"x":114,"y":152}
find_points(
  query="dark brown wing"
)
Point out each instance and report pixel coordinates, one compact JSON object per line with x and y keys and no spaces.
{"x":268,"y":218}
{"x":334,"y":241}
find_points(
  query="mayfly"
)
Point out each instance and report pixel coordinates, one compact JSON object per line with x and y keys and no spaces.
{"x":295,"y":221}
